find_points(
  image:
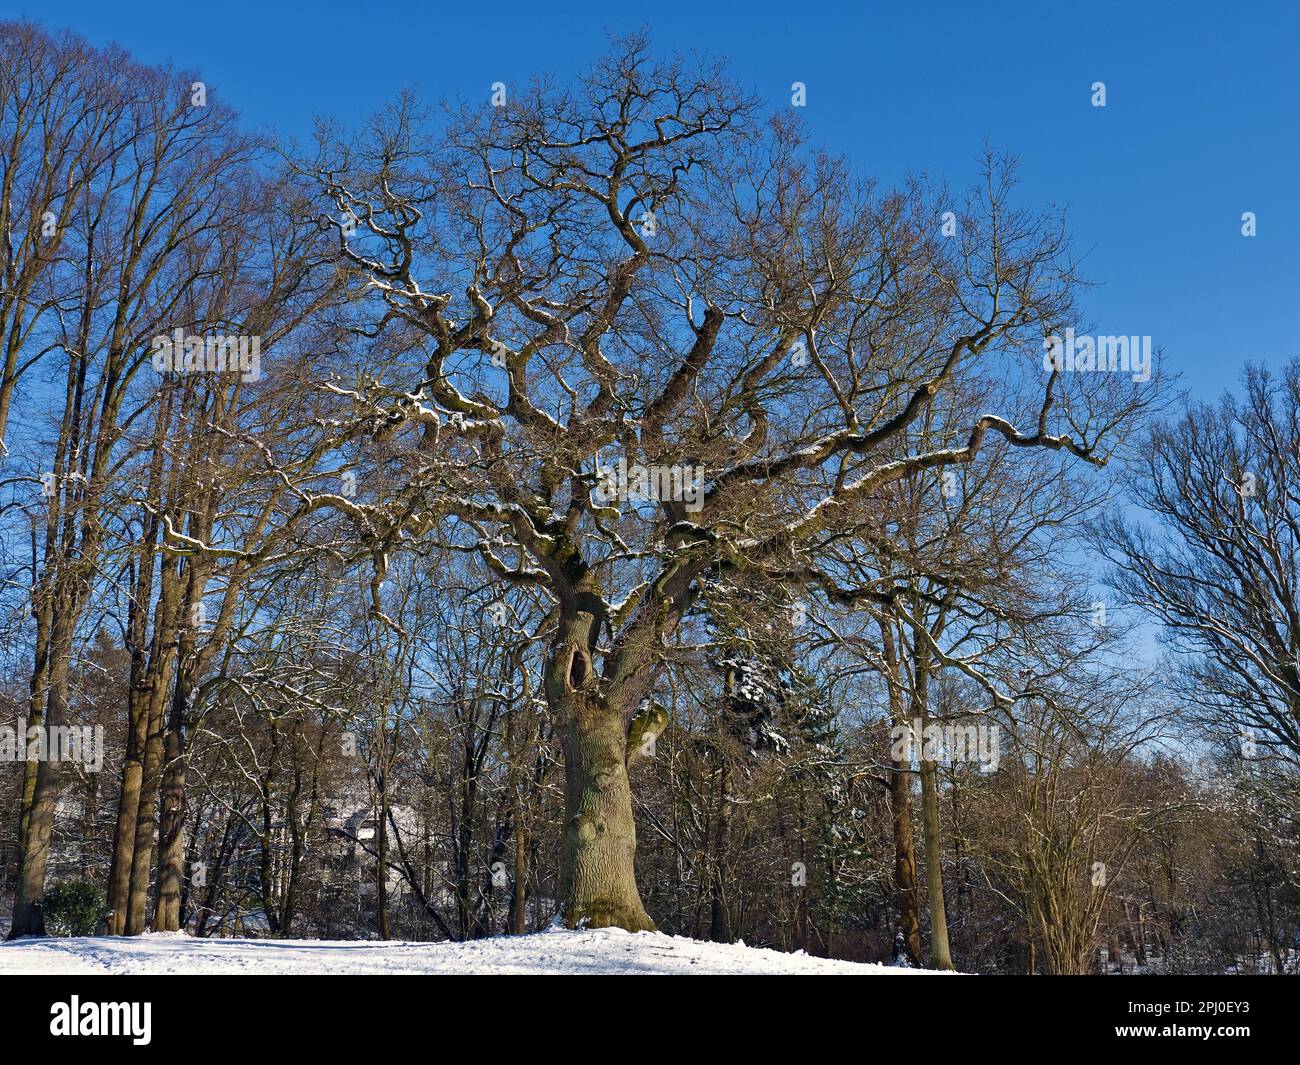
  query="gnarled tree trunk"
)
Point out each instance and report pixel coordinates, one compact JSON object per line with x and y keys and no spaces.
{"x":597,"y":861}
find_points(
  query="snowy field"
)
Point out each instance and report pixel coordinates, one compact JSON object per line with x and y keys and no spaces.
{"x":553,"y":952}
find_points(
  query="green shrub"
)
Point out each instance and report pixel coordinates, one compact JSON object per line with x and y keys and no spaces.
{"x":73,"y":908}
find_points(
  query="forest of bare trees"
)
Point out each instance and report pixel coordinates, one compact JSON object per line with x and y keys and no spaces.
{"x":595,"y":502}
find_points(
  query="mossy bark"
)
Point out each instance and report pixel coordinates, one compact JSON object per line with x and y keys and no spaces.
{"x":597,"y":887}
{"x":597,"y":864}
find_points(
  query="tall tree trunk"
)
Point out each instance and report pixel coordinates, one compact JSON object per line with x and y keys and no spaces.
{"x":36,"y":706}
{"x":27,"y":917}
{"x":137,"y":910}
{"x":189,"y":666}
{"x":128,"y":807}
{"x":940,"y":954}
{"x":906,"y":895}
{"x":905,"y":876}
{"x":138,"y":692}
{"x":171,"y":824}
{"x":162,"y":657}
{"x":191,"y":659}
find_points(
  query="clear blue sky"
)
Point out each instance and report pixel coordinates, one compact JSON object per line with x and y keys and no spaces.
{"x":1202,"y":119}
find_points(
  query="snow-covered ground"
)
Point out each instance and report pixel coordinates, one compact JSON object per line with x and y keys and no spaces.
{"x":555,"y":951}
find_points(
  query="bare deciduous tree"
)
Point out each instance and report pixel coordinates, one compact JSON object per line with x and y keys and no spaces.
{"x":639,"y":276}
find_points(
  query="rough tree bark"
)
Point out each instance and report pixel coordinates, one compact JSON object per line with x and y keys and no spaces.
{"x":597,"y":859}
{"x":171,"y":822}
{"x":36,"y":704}
{"x":940,"y":955}
{"x":142,"y":850}
{"x":27,"y":917}
{"x":597,"y":869}
{"x":143,"y":652}
{"x":906,"y":895}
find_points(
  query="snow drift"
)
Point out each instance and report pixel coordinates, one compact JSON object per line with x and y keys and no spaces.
{"x":552,"y":952}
